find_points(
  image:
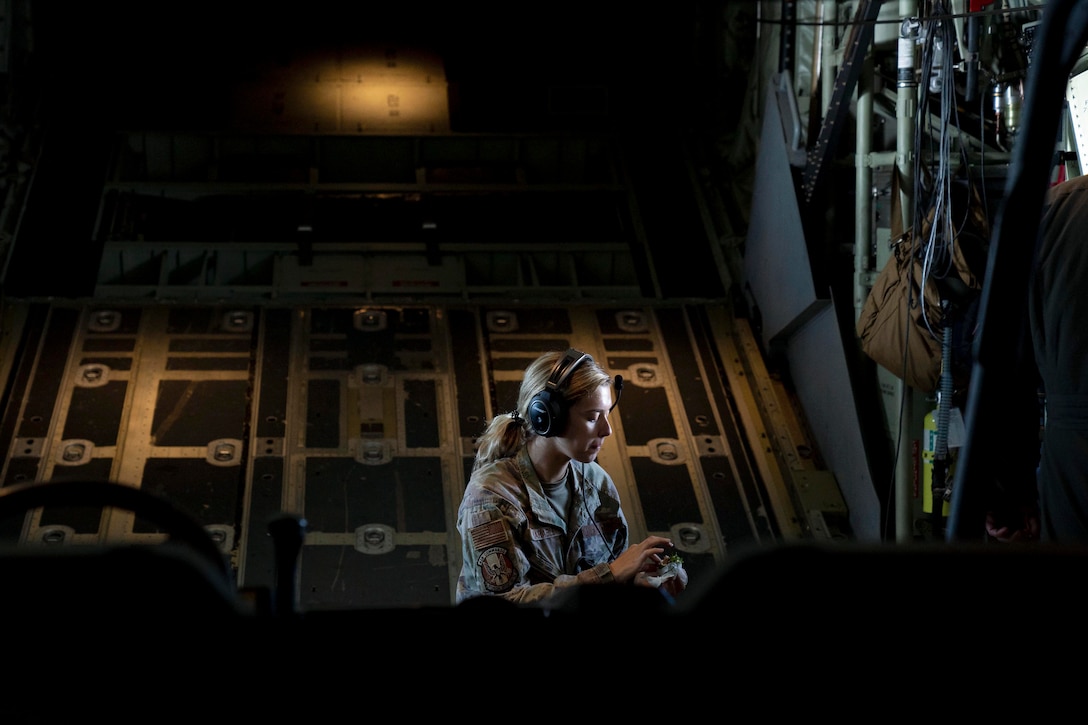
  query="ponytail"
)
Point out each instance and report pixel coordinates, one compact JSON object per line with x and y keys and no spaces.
{"x":501,"y":439}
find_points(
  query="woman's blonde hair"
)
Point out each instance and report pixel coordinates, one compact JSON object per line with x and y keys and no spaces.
{"x":507,"y":431}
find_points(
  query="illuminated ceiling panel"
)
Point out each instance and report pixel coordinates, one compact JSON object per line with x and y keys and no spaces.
{"x":379,"y":91}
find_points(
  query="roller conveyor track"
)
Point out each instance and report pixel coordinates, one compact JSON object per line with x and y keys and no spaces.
{"x":362,"y":420}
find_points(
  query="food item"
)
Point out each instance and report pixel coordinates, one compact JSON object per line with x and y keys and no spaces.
{"x":672,"y":566}
{"x":673,"y":560}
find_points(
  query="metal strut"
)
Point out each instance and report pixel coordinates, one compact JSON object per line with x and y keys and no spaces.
{"x":838,"y":111}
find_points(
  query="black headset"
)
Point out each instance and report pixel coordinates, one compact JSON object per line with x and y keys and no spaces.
{"x":548,"y":409}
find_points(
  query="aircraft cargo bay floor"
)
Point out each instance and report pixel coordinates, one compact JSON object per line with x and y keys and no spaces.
{"x":361,"y":421}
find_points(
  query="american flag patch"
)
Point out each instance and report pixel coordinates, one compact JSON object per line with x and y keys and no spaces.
{"x":487,"y":534}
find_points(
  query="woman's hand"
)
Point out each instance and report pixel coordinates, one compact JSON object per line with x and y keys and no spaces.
{"x":645,"y":556}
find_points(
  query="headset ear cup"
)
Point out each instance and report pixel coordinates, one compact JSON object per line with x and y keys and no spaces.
{"x":547,"y":409}
{"x":546,"y":413}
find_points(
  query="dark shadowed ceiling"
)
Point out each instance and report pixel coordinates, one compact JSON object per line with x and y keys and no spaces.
{"x":503,"y":62}
{"x":661,"y":76}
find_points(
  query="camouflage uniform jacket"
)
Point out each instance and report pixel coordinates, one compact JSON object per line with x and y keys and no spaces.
{"x":513,"y":543}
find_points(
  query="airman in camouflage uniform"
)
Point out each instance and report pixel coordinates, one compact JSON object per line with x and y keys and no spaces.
{"x":539,"y":513}
{"x":516,"y":545}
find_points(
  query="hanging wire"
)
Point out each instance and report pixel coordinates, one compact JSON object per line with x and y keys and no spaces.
{"x":933,"y":192}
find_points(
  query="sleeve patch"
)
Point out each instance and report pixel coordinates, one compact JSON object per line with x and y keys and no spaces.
{"x":496,"y":570}
{"x":487,"y":534}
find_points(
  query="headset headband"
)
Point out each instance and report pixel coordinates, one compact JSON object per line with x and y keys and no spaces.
{"x":563,"y":369}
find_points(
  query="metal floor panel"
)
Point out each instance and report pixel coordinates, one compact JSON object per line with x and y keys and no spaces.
{"x":361,"y":421}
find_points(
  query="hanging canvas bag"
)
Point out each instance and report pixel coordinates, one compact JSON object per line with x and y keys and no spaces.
{"x":891,"y":327}
{"x":902,"y":320}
